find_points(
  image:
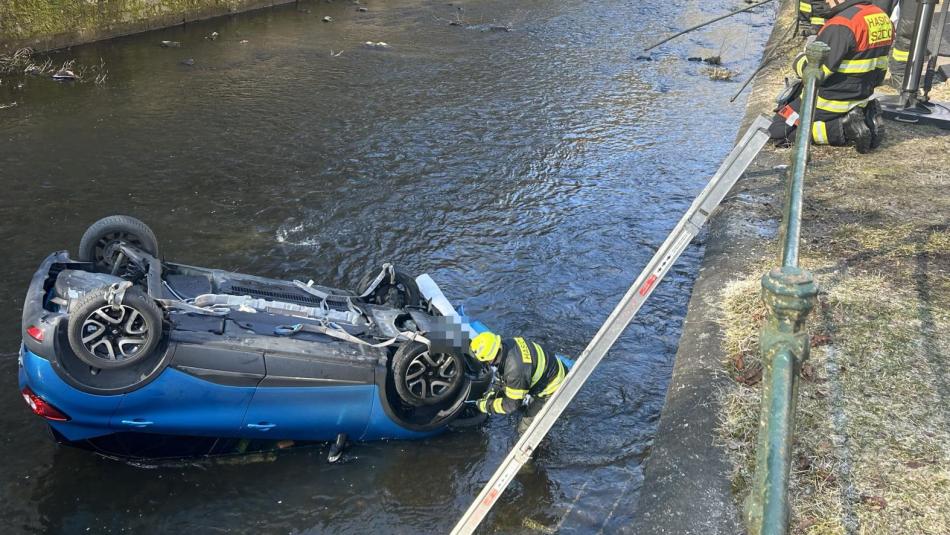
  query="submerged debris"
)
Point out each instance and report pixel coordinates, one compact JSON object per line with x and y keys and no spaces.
{"x":22,"y":61}
{"x":10,"y":105}
{"x":362,"y":9}
{"x":719,"y":73}
{"x":212,"y":36}
{"x":711,"y":60}
{"x":188,"y":62}
{"x":377,"y":45}
{"x":328,"y":18}
{"x":170,"y":44}
{"x":64,"y":75}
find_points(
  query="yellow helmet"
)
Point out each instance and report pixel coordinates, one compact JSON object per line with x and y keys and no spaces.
{"x":485,"y":346}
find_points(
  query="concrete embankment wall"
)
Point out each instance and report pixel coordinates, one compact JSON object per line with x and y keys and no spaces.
{"x":51,"y":24}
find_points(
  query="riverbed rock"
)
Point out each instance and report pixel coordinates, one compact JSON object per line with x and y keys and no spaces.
{"x":362,"y":9}
{"x":328,"y":19}
{"x":212,"y":36}
{"x":170,"y":44}
{"x":188,"y":62}
{"x":380,"y":45}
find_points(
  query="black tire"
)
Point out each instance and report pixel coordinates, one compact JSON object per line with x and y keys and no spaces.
{"x":108,"y":231}
{"x":138,"y":319}
{"x":404,"y":293}
{"x":422,"y":379}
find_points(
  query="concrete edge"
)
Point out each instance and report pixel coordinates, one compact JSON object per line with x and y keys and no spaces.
{"x":46,"y":43}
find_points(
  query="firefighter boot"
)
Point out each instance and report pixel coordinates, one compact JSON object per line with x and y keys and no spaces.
{"x":874,"y":118}
{"x":856,"y":130}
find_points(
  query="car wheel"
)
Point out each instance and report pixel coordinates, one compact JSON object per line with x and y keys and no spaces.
{"x":109,"y":336}
{"x":423,"y":377}
{"x":98,"y":243}
{"x":398,"y":291}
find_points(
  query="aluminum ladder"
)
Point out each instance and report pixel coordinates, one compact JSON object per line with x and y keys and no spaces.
{"x":708,"y":200}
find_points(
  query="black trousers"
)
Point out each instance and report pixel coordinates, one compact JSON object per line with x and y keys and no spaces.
{"x":530,"y":412}
{"x":826,"y":128}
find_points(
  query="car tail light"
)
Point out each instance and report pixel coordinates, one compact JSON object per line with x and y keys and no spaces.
{"x":35,"y":333}
{"x":41,"y":407}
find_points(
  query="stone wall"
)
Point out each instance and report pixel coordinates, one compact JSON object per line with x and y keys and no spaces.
{"x":51,"y":24}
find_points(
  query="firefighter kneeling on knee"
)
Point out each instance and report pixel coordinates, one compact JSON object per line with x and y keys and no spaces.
{"x":859,"y":35}
{"x":529,"y":375}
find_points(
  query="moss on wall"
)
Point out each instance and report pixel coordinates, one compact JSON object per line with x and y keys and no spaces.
{"x":48,"y":24}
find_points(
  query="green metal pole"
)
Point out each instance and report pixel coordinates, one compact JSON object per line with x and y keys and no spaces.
{"x":789,"y":294}
{"x":781,"y":418}
{"x":816,"y":52}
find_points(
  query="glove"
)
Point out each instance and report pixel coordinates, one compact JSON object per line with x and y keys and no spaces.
{"x":486,"y":401}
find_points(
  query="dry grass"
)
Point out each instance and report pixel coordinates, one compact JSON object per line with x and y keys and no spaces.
{"x":872,"y":443}
{"x":720,"y":74}
{"x":23,"y":63}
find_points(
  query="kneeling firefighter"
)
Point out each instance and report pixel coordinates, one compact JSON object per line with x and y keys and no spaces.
{"x":860,"y":35}
{"x":529,"y":375}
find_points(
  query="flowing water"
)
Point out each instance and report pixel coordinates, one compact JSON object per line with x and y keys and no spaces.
{"x":532,"y":173}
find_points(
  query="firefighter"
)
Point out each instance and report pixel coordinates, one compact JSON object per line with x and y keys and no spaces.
{"x":903,"y":38}
{"x":529,"y":375}
{"x":860,"y":35}
{"x":812,"y":13}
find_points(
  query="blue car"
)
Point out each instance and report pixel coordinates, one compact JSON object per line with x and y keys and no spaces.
{"x":129,"y":355}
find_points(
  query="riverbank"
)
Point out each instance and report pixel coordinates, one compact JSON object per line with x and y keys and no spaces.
{"x":871,"y":452}
{"x":44,"y":26}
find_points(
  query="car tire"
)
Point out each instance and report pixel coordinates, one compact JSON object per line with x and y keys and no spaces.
{"x":109,"y":230}
{"x":125,"y":336}
{"x":404,"y":293}
{"x":422,"y":379}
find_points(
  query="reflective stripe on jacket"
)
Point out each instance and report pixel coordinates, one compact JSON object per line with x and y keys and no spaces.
{"x":812,"y":12}
{"x":527,"y":368}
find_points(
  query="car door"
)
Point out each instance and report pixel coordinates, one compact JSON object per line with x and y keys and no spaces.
{"x":308,"y":397}
{"x":204,"y":392}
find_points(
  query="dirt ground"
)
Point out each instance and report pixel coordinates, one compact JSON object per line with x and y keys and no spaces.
{"x":872,"y":444}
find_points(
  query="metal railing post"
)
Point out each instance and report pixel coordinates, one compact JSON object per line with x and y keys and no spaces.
{"x":789,"y":294}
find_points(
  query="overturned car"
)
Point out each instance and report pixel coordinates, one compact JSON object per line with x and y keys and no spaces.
{"x":123,"y":352}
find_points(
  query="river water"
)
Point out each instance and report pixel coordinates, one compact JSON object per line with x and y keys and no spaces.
{"x":532,"y":173}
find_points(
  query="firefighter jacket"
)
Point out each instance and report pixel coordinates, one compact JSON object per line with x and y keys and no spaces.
{"x":526,"y":369}
{"x":813,"y":12}
{"x":860,"y":36}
